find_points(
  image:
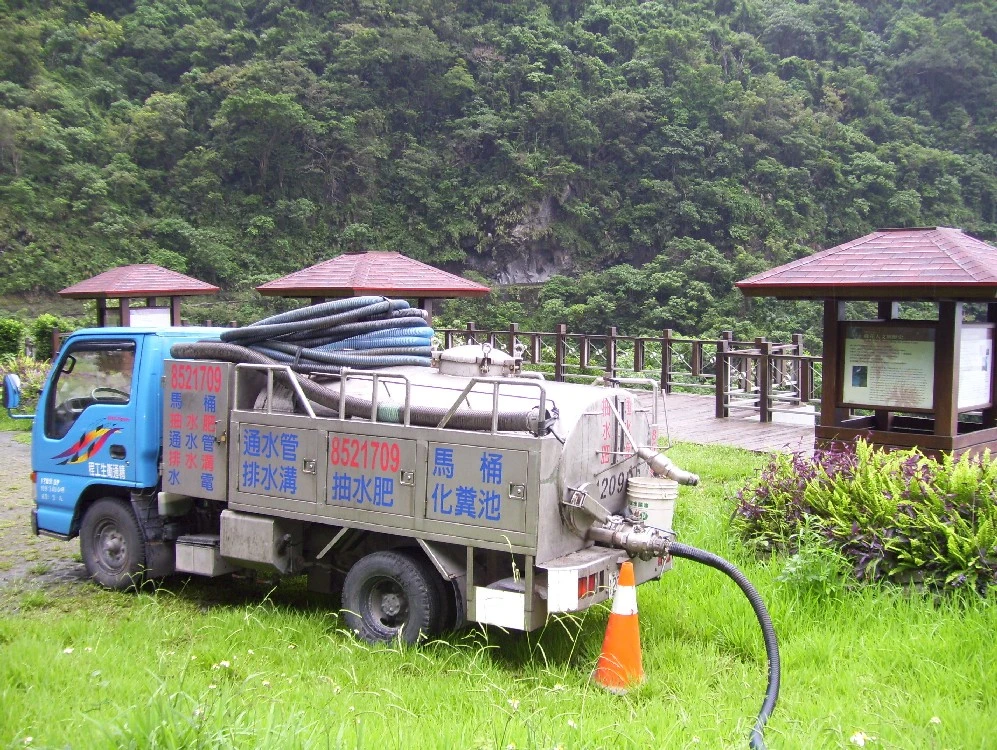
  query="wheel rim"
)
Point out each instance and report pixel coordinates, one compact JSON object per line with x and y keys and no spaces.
{"x":387,"y":603}
{"x":110,"y":546}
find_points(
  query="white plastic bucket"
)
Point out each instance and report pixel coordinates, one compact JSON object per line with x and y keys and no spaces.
{"x":652,"y":500}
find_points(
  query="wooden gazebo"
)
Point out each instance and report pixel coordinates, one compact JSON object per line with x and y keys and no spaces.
{"x":373,"y":273}
{"x":900,"y":382}
{"x":143,"y":280}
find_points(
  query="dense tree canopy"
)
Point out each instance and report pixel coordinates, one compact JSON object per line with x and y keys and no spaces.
{"x":658,"y":151}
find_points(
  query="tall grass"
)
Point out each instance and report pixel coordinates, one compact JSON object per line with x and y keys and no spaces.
{"x":214,"y":664}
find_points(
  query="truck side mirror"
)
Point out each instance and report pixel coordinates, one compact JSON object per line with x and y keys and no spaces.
{"x":12,"y":396}
{"x":11,"y":391}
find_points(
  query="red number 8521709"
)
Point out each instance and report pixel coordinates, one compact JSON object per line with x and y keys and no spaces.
{"x":370,"y":455}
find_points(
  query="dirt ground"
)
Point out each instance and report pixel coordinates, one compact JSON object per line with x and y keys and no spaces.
{"x":28,"y":561}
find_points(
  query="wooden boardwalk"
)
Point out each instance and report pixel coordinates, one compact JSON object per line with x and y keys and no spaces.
{"x":690,"y":419}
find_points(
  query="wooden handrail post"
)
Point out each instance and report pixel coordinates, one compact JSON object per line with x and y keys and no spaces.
{"x":799,"y":365}
{"x":535,"y":348}
{"x":584,"y":351}
{"x":638,"y":355}
{"x":806,"y":381}
{"x":471,"y":339}
{"x":559,"y":346}
{"x":764,"y":379}
{"x":722,"y":379}
{"x":447,"y":339}
{"x":611,"y":351}
{"x":666,"y":360}
{"x":513,"y":332}
{"x":696,"y":359}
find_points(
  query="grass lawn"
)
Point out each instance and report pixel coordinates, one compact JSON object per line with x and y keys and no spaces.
{"x":221,"y":664}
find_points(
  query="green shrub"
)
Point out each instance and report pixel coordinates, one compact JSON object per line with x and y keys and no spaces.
{"x":895,"y":516}
{"x":31,"y":371}
{"x":11,"y":336}
{"x":41,"y":333}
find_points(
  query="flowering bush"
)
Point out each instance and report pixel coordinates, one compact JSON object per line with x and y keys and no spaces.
{"x":895,"y":516}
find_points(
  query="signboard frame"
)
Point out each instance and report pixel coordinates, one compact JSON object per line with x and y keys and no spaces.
{"x":976,"y":346}
{"x":907,"y":349}
{"x":150,"y":317}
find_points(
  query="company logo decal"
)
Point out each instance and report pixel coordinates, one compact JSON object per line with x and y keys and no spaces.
{"x":87,"y":446}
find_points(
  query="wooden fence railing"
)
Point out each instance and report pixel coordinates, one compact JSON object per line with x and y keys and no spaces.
{"x":762,"y":376}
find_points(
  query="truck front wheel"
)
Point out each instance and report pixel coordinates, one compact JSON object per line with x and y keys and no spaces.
{"x":111,"y":544}
{"x":389,"y":595}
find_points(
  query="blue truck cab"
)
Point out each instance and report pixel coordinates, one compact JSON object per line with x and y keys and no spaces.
{"x":98,"y":428}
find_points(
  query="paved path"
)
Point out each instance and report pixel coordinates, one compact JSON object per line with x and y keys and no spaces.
{"x":691,"y":419}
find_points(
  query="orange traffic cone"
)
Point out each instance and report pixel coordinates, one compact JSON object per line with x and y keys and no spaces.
{"x":619,"y":665}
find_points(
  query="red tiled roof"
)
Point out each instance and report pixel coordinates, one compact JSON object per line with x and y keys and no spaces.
{"x":386,"y":273}
{"x":142,"y":280}
{"x":900,"y":264}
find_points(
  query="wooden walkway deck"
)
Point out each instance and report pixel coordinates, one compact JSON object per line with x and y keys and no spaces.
{"x":690,"y":419}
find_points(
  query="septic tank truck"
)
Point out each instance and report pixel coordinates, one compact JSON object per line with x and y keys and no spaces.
{"x":443,"y":497}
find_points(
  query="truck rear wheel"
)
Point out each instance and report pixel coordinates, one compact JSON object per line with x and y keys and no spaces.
{"x":391,"y":595}
{"x":111,"y":544}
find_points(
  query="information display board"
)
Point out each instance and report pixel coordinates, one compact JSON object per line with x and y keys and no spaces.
{"x":975,"y":366}
{"x":889,"y":366}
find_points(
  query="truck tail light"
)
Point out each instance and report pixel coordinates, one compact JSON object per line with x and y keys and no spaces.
{"x":587,"y":585}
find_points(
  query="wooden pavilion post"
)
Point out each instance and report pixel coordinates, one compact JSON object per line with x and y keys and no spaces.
{"x":948,"y":339}
{"x":830,"y":414}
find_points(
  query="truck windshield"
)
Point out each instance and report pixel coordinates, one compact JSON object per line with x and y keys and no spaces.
{"x":89,"y":373}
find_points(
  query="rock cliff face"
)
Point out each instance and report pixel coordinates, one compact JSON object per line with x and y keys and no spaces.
{"x":529,"y":253}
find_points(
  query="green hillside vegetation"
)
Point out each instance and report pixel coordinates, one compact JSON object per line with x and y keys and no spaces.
{"x":681,"y":145}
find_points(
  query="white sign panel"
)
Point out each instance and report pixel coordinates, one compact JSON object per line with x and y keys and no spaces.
{"x":975,"y":361}
{"x":149,"y":317}
{"x":889,"y":367}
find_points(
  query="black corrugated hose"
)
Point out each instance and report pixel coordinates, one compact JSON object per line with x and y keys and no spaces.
{"x":768,"y":630}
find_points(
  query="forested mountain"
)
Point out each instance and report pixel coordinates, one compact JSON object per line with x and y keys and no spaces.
{"x":680,"y":144}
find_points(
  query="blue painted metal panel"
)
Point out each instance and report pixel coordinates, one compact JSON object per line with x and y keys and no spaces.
{"x":108,"y":444}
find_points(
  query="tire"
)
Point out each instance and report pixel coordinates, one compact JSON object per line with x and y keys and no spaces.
{"x":447,"y":621}
{"x":390,"y":596}
{"x":112,"y":545}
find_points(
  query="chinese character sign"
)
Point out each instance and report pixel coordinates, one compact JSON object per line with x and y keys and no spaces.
{"x":470,"y":485}
{"x":194,"y":394}
{"x":366,"y":472}
{"x":269,"y":461}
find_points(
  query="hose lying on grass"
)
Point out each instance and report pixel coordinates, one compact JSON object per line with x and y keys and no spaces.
{"x":764,"y":620}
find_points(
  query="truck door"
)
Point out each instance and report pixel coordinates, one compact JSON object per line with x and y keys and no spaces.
{"x":87,"y":431}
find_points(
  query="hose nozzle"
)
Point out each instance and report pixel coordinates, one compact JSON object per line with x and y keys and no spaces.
{"x":663,"y":466}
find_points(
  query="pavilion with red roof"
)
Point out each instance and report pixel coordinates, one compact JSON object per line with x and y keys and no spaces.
{"x":143,"y":280}
{"x":373,"y":273}
{"x":924,"y":383}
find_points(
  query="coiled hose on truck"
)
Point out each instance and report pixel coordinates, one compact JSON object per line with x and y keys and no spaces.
{"x":716,"y":562}
{"x":360,"y":333}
